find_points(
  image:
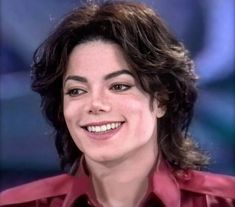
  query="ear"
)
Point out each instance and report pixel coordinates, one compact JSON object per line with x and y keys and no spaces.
{"x":158,"y":109}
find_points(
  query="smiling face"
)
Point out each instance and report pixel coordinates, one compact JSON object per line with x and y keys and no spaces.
{"x":107,"y":114}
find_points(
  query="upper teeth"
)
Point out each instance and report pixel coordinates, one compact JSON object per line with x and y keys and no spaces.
{"x":103,"y":128}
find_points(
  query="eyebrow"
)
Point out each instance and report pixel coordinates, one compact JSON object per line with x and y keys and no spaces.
{"x":106,"y":77}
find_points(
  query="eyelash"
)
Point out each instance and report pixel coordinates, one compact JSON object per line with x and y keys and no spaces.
{"x":126,"y":87}
{"x":75,"y":92}
{"x":78,"y":91}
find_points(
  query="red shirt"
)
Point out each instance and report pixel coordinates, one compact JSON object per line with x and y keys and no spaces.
{"x":168,"y":188}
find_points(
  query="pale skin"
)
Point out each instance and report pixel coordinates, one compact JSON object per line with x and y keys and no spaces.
{"x":100,"y":89}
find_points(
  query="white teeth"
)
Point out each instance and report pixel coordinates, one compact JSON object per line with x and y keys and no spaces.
{"x":97,"y":129}
{"x":108,"y":126}
{"x":103,"y":128}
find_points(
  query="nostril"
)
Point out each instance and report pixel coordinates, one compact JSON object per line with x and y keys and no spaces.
{"x":98,"y":107}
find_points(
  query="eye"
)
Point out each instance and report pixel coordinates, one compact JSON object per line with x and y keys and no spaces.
{"x":120,"y":87}
{"x":75,"y":92}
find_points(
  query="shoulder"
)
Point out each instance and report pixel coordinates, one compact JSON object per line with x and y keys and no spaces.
{"x":207,"y":183}
{"x":44,"y":188}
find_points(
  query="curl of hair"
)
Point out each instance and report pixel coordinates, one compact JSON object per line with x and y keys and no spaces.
{"x":160,"y":63}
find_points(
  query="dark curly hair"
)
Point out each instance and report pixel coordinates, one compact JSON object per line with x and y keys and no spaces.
{"x":161,"y":64}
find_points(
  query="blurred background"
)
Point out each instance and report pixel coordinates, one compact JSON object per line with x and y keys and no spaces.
{"x":206,"y":27}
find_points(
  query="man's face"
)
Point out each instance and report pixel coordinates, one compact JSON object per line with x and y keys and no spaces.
{"x":107,"y":114}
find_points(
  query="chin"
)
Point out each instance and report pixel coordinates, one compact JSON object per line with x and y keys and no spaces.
{"x":105,"y":157}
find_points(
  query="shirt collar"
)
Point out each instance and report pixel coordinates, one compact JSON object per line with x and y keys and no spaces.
{"x":82,"y":184}
{"x":162,"y":184}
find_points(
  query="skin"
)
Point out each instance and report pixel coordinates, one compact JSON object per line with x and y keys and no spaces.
{"x":100,"y":88}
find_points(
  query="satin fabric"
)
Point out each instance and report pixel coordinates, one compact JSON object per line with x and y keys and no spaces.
{"x":167,"y":188}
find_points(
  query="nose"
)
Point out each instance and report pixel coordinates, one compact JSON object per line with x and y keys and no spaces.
{"x":98,"y":104}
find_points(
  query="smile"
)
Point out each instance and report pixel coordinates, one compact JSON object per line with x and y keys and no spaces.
{"x":103,"y":128}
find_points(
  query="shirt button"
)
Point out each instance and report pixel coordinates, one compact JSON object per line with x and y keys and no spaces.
{"x":89,"y":203}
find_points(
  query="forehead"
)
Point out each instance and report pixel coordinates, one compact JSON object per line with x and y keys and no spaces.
{"x":96,"y":56}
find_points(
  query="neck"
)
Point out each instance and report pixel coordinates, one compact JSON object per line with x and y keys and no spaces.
{"x":123,"y":183}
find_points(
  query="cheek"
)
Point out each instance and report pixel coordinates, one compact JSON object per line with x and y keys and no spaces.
{"x":67,"y":109}
{"x":137,"y":105}
{"x":70,"y":110}
{"x":71,"y":118}
{"x":137,"y":110}
{"x":143,"y":119}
